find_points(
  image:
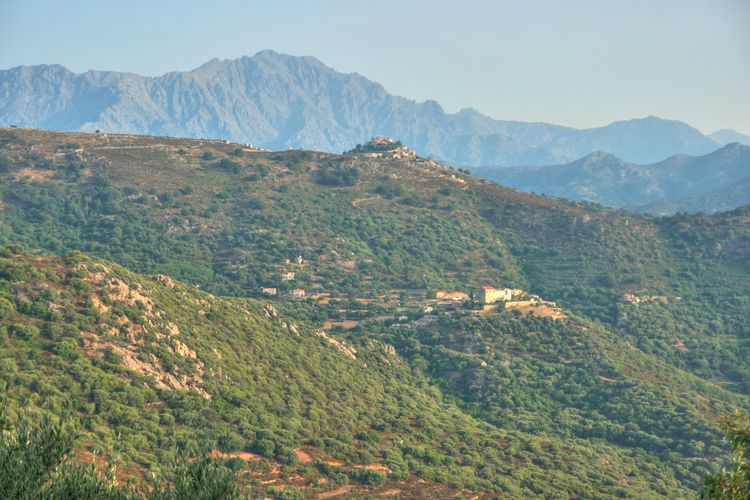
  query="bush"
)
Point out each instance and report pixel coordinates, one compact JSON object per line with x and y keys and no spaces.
{"x":24,"y":332}
{"x":413,"y":201}
{"x":5,"y":164}
{"x":33,"y":464}
{"x":229,"y":166}
{"x":204,"y":478}
{"x":389,"y":191}
{"x":74,"y":257}
{"x":53,"y":330}
{"x":734,"y":483}
{"x":286,"y":455}
{"x":6,"y":308}
{"x":254,"y":204}
{"x":67,"y":349}
{"x":368,"y":477}
{"x":337,"y":176}
{"x":231,"y":441}
{"x":236,"y":463}
{"x":265,"y":447}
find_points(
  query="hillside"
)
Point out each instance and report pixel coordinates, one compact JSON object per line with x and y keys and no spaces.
{"x":152,"y":367}
{"x":711,"y":183}
{"x":645,"y":346}
{"x":279,"y":101}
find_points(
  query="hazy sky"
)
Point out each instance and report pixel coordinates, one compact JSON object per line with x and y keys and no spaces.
{"x":577,"y":63}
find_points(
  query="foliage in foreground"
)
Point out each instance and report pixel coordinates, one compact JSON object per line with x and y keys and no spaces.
{"x":35,"y":462}
{"x":734,"y":483}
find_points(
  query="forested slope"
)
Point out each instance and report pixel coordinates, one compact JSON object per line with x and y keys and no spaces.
{"x":651,"y":348}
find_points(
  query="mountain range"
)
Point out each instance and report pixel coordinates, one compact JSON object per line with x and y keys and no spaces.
{"x":714,"y":182}
{"x":279,"y":101}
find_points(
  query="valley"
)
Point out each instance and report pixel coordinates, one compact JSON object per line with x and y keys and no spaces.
{"x":319,"y":320}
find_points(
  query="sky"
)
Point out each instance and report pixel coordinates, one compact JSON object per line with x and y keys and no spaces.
{"x":570,"y":62}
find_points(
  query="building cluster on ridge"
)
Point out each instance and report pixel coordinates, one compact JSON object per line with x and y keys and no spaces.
{"x":383,"y":147}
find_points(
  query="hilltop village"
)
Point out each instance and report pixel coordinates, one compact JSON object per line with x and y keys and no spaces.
{"x":399,"y":307}
{"x":383,"y":147}
{"x":411,"y":308}
{"x":407,"y":308}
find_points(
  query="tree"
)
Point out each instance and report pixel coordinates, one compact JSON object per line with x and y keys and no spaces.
{"x":204,"y":478}
{"x":735,"y":482}
{"x":229,"y":166}
{"x":337,"y":176}
{"x":34,"y":463}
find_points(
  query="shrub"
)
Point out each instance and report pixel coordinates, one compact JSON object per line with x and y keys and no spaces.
{"x":231,"y":441}
{"x":6,"y":308}
{"x":389,"y":191}
{"x":229,"y":166}
{"x":25,"y":332}
{"x":5,"y":164}
{"x":67,"y":349}
{"x":734,"y":483}
{"x":254,"y":204}
{"x":203,"y":478}
{"x":368,"y":477}
{"x":265,"y":447}
{"x":337,"y":176}
{"x":33,"y":465}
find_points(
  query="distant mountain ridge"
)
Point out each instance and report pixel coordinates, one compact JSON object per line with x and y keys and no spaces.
{"x":279,"y":101}
{"x":715,"y":182}
{"x":727,"y":136}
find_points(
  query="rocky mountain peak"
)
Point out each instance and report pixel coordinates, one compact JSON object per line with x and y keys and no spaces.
{"x":278,"y":101}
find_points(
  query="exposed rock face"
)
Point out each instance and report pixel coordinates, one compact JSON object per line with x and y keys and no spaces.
{"x":127,"y":340}
{"x":342,"y":346}
{"x":279,"y":101}
{"x":165,"y":280}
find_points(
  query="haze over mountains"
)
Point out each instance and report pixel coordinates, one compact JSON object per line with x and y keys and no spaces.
{"x":278,"y":101}
{"x":714,"y":182}
{"x":727,"y":136}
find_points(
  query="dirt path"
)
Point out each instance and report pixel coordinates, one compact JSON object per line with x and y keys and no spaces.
{"x":144,"y":146}
{"x":334,"y":493}
{"x":236,"y":454}
{"x":334,"y":463}
{"x":390,"y":493}
{"x":382,"y":467}
{"x":338,"y":463}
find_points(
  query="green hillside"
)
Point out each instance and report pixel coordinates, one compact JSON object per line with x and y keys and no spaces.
{"x":648,"y":349}
{"x":570,"y":379}
{"x":153,"y":368}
